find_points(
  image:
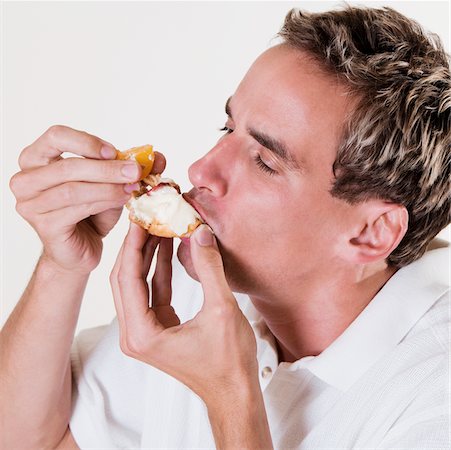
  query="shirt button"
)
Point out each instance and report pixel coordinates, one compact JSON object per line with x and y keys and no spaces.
{"x":266,"y":372}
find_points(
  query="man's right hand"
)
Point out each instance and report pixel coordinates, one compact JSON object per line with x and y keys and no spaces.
{"x":73,"y":203}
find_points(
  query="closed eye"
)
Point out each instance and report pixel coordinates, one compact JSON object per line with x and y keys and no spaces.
{"x":262,"y":166}
{"x":226,"y":129}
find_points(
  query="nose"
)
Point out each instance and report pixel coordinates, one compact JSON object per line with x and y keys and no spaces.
{"x":211,"y":171}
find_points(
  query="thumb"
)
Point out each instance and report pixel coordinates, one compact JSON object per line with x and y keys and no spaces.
{"x":208,"y":264}
{"x":106,"y":220}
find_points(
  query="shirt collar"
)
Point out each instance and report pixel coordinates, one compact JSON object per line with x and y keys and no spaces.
{"x":385,"y":321}
{"x":401,"y":302}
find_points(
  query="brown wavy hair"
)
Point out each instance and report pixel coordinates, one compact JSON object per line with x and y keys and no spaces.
{"x":396,"y":144}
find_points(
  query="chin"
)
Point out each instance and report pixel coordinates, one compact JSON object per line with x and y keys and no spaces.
{"x":234,"y":277}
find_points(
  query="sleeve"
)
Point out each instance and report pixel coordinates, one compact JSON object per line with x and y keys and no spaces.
{"x":107,"y":389}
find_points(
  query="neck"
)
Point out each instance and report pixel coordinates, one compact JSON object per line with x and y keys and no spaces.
{"x":314,"y":312}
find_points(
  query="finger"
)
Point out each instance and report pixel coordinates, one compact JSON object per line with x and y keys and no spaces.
{"x":148,"y":253}
{"x":59,"y":139}
{"x":151,"y":243}
{"x":116,"y":294}
{"x":208,"y":265}
{"x":159,"y":164}
{"x":63,"y":220}
{"x":75,"y":193}
{"x":105,"y":220}
{"x":161,"y":281}
{"x":133,"y":288}
{"x":24,"y":184}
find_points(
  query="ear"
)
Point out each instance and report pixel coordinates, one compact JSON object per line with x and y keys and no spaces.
{"x":379,"y":233}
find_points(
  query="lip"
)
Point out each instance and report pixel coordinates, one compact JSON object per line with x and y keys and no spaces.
{"x":195,"y":205}
{"x":185,"y":240}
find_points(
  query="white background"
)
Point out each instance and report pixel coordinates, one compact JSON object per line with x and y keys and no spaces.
{"x":131,"y":73}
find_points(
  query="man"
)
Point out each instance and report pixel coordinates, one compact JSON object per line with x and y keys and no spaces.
{"x":324,"y":194}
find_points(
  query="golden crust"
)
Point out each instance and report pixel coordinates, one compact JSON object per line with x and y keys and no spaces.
{"x":155,"y":179}
{"x":152,"y":180}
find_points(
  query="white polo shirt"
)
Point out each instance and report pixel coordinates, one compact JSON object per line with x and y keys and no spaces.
{"x":382,"y":384}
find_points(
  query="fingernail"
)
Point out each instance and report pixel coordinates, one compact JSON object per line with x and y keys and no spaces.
{"x":108,"y":152}
{"x":129,"y":188}
{"x":204,"y":236}
{"x":130,"y":171}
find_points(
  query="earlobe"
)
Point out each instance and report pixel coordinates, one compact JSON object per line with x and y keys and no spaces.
{"x":380,"y":235}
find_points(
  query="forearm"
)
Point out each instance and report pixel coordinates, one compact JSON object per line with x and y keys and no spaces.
{"x":240,"y":421}
{"x":34,"y":358}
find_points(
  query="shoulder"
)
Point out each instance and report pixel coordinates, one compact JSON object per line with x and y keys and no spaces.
{"x":420,"y":297}
{"x":431,"y":332}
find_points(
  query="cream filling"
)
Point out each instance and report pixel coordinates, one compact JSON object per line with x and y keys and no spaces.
{"x":167,"y":207}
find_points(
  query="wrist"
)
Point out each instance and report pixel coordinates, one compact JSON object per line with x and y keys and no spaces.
{"x":238,"y":419}
{"x":226,"y":400}
{"x":50,"y":268}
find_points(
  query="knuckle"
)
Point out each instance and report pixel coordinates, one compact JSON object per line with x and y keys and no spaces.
{"x":134,"y":344}
{"x":25,"y":210}
{"x":65,"y":167}
{"x":68,"y":192}
{"x":21,"y":209}
{"x":123,"y":346}
{"x":93,"y":141}
{"x":93,"y":208}
{"x":55,"y":131}
{"x":111,"y":170}
{"x":90,"y":142}
{"x":121,"y":277}
{"x":42,"y":225}
{"x":25,"y":155}
{"x":14,"y":183}
{"x":22,"y":157}
{"x":224,"y":312}
{"x":89,"y":209}
{"x":107,"y":172}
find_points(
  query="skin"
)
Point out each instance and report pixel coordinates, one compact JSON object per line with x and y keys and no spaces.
{"x":309,"y":262}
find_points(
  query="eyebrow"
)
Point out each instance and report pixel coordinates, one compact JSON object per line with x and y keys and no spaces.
{"x":272,"y":144}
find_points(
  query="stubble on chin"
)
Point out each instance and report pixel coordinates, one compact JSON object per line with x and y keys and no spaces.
{"x":234,"y":277}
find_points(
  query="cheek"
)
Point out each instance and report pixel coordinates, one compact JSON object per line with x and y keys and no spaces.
{"x":258,"y":213}
{"x":276,"y":220}
{"x":261,"y":213}
{"x":248,"y":230}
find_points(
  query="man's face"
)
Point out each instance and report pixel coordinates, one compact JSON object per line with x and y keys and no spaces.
{"x":264,"y":187}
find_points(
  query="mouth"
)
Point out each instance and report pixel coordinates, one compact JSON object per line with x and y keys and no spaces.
{"x":189,"y":199}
